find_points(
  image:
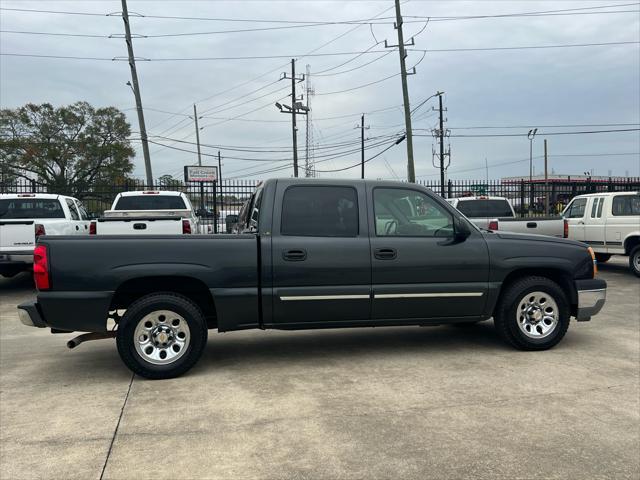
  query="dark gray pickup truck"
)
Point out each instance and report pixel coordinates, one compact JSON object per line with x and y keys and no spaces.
{"x":312,"y":254}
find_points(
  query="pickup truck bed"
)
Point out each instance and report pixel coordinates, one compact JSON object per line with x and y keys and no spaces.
{"x":315,"y":254}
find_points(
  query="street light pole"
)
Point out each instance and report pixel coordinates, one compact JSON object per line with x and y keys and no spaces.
{"x":530,"y":136}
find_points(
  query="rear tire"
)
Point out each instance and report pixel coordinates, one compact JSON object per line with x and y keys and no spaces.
{"x":161,"y":335}
{"x":603,"y":257}
{"x":532,"y":314}
{"x":634,"y":261}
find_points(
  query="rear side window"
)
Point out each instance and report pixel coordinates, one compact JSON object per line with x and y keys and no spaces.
{"x":594,"y":207}
{"x":150,"y":202}
{"x":485,"y":208}
{"x":576,"y":210}
{"x":255,"y":211}
{"x":320,"y":211}
{"x":25,"y":208}
{"x":75,"y":215}
{"x":626,"y":205}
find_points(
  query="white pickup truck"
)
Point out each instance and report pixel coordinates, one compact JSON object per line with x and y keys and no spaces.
{"x":496,"y":213}
{"x":147,"y":213}
{"x":609,"y":223}
{"x":26,"y":216}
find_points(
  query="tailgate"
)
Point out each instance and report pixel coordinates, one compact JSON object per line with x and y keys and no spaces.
{"x":17,"y":235}
{"x":139,"y":226}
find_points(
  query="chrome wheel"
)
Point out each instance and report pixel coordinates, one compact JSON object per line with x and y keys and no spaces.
{"x":537,"y":315}
{"x":162,"y":337}
{"x":636,"y":261}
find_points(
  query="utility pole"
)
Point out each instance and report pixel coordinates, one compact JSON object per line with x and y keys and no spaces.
{"x":136,"y":93}
{"x":442,"y":147}
{"x":546,"y":180}
{"x":294,"y":129}
{"x":440,"y":135}
{"x":308,"y":156}
{"x":362,"y":129}
{"x":531,"y":135}
{"x":411,"y":172}
{"x":362,"y":145}
{"x":220,"y":181}
{"x":195,"y":117}
{"x":296,"y":108}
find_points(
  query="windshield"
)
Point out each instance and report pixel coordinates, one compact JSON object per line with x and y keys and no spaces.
{"x":27,"y":208}
{"x":150,"y":202}
{"x":485,"y":208}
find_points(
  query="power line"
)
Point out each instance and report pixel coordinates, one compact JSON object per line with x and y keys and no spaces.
{"x":354,"y":68}
{"x":372,"y":83}
{"x":539,"y":133}
{"x":574,"y":11}
{"x":545,"y":126}
{"x":330,"y":54}
{"x":524,"y":47}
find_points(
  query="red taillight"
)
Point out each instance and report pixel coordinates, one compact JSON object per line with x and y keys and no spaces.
{"x":186,"y":226}
{"x":566,"y":229}
{"x":92,"y":228}
{"x":39,"y":229}
{"x":493,"y":225}
{"x":41,"y":268}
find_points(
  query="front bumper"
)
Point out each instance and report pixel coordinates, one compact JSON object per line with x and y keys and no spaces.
{"x":592,"y":295}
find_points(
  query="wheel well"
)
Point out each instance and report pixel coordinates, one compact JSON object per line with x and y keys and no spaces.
{"x":561,"y":277}
{"x":630,"y":243}
{"x":191,"y":288}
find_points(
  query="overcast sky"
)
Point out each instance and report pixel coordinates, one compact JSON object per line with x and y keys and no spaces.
{"x":593,"y":85}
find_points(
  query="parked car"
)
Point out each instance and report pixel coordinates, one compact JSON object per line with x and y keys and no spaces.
{"x":148,"y":213}
{"x":317,"y":254}
{"x":26,"y":216}
{"x":609,"y":222}
{"x":496,"y":213}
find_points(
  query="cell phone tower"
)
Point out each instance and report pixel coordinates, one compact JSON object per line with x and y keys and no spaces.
{"x":309,"y":168}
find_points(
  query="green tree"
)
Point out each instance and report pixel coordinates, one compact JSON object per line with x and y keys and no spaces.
{"x":168,"y":181}
{"x":71,"y":149}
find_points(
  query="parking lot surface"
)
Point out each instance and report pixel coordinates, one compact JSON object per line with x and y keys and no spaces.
{"x":437,"y":402}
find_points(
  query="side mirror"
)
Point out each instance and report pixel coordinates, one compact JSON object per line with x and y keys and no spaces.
{"x":461,"y":229}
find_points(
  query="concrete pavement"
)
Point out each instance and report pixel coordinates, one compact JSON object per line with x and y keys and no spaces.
{"x":437,"y":402}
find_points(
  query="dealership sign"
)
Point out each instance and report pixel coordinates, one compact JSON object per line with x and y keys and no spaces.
{"x":200,"y":174}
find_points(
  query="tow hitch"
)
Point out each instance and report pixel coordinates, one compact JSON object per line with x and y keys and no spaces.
{"x":85,"y":337}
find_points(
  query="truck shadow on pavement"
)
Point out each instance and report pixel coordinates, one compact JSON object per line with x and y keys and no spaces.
{"x":617,"y":268}
{"x":22,"y":281}
{"x":344,"y":344}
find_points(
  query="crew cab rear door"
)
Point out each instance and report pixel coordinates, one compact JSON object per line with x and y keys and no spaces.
{"x":321,"y":267}
{"x":419,"y":271}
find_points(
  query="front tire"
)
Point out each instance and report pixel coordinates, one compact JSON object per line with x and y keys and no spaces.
{"x":634,"y":261}
{"x":532,"y":314}
{"x":603,"y":257}
{"x":161,"y":335}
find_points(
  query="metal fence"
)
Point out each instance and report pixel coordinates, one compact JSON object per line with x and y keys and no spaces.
{"x":226,"y":198}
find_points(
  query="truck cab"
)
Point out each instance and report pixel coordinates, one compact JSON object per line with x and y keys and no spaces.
{"x":609,"y":222}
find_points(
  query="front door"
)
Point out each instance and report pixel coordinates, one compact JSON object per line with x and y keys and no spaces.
{"x":574,"y":214}
{"x":419,"y":270}
{"x":320,"y":255}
